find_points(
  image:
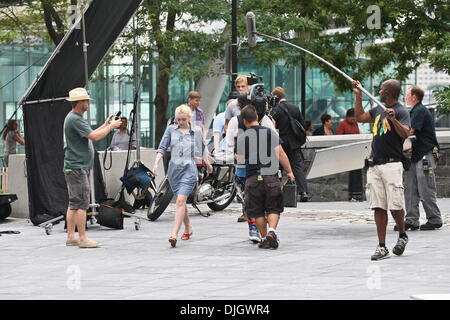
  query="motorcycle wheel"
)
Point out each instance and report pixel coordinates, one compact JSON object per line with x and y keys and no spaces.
{"x":219,"y":206}
{"x":160,"y":202}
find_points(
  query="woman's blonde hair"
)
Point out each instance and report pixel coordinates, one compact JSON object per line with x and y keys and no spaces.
{"x":184,"y":109}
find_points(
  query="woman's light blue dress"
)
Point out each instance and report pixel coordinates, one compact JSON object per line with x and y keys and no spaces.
{"x":182,"y":172}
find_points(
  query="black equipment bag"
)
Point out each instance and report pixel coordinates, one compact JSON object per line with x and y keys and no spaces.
{"x":137,"y":177}
{"x":109,"y":215}
{"x":296,"y":126}
{"x":290,"y":194}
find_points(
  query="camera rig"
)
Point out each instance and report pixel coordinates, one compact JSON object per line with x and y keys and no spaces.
{"x":257,"y":96}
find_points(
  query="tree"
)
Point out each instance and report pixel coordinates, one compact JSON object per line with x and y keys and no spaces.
{"x":415,"y":30}
{"x":175,"y":35}
{"x":26,"y":19}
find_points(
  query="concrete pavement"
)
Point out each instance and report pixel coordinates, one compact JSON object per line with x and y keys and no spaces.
{"x":324,"y":253}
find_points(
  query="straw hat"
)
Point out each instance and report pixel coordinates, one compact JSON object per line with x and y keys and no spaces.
{"x":78,"y":94}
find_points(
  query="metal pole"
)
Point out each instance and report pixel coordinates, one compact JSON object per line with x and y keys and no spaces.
{"x":136,"y":69}
{"x":93,"y":204}
{"x":360,"y":87}
{"x":234,"y":36}
{"x":303,"y":84}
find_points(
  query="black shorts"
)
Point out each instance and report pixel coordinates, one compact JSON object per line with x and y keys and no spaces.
{"x":263,"y":197}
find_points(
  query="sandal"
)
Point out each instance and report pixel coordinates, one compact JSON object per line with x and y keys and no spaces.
{"x":173,"y":241}
{"x":186,"y":236}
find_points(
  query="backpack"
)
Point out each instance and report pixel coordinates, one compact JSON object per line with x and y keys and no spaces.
{"x":296,"y":126}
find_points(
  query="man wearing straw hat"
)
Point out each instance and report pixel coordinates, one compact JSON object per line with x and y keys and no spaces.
{"x":78,"y":161}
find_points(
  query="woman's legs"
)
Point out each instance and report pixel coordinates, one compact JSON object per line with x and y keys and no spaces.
{"x":187,"y":223}
{"x":180,"y":215}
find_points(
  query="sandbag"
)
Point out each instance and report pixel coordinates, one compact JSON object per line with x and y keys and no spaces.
{"x":110,"y":216}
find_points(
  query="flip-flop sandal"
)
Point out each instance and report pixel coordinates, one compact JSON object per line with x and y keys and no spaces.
{"x":186,"y":236}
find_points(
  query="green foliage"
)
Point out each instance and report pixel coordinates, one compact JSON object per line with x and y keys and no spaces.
{"x":182,"y":45}
{"x":443,"y":100}
{"x":419,"y":32}
{"x":24,"y":21}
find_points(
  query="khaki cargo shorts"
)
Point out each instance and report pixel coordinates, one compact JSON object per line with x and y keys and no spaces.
{"x":384,"y":187}
{"x":78,"y":187}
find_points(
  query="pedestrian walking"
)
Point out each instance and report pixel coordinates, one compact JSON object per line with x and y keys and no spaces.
{"x":186,"y":144}
{"x":259,"y":148}
{"x":292,"y":144}
{"x":235,"y":129}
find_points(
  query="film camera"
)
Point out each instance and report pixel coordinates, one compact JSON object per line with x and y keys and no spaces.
{"x":256,"y":96}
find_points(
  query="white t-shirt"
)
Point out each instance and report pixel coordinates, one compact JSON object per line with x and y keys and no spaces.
{"x":232,"y":110}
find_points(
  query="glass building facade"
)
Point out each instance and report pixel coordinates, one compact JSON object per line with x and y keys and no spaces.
{"x":111,"y":88}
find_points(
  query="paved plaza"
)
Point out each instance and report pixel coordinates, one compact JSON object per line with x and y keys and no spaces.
{"x":324,"y":253}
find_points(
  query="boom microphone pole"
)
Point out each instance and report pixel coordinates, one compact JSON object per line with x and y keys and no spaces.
{"x":251,"y":34}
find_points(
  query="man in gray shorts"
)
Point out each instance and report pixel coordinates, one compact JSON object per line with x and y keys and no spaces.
{"x":78,"y":161}
{"x":384,"y":189}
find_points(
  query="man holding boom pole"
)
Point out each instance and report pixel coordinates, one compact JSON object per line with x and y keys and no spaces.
{"x":384,"y":189}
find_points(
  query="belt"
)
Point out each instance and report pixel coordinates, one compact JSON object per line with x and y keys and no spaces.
{"x":378,"y":161}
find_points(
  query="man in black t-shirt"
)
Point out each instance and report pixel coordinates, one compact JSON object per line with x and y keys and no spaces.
{"x":384,"y":189}
{"x":420,"y":182}
{"x":259,"y":149}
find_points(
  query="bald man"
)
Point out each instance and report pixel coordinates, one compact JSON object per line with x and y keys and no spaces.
{"x":384,"y":189}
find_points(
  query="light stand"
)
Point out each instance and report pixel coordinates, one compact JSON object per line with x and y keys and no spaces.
{"x":93,"y":205}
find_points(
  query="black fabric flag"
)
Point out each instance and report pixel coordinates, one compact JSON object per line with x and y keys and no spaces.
{"x":43,"y":121}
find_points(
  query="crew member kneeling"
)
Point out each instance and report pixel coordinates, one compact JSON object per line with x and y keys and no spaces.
{"x":259,"y":148}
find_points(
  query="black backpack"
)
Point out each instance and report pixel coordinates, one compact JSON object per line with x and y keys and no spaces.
{"x":296,"y":126}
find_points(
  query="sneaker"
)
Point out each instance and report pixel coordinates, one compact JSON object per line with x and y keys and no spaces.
{"x":264,"y":244}
{"x":253,"y":234}
{"x":304,"y":197}
{"x":273,"y":239}
{"x":430,"y":226}
{"x":380,"y":253}
{"x":242,"y":218}
{"x":407,"y":227}
{"x":400,"y":246}
{"x":89,"y":244}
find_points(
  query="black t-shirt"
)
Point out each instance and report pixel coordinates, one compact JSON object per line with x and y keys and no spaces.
{"x":386,"y":142}
{"x":257,"y":145}
{"x":423,"y":124}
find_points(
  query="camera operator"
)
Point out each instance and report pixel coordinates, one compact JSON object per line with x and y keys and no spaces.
{"x":259,"y":148}
{"x":291,"y":143}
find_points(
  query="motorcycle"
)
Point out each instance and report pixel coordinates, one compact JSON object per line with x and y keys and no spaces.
{"x":217,"y":190}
